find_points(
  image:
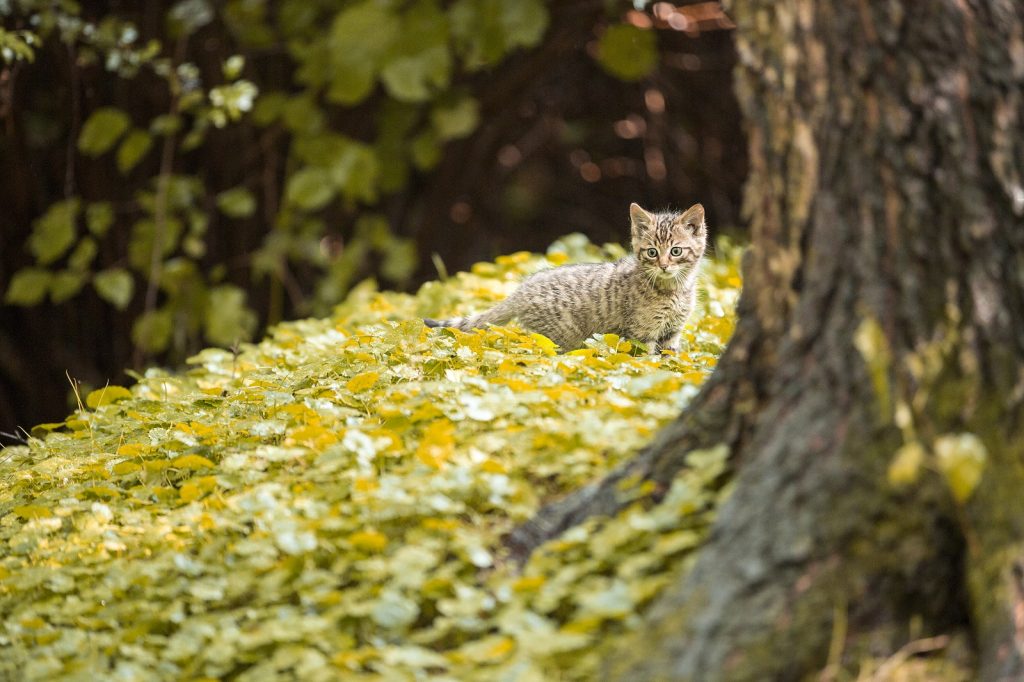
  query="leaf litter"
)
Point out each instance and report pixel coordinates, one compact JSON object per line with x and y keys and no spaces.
{"x":330,"y":502}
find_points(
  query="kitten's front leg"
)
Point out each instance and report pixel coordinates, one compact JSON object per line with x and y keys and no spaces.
{"x":669,"y":342}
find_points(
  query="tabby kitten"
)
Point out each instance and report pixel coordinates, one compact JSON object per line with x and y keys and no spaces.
{"x":645,"y":296}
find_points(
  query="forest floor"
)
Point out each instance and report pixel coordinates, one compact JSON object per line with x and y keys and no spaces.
{"x":332,"y":500}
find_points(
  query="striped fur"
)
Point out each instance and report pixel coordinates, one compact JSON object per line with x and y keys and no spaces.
{"x":646,"y":296}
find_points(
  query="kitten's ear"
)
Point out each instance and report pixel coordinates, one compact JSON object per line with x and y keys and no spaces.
{"x":692,"y":218}
{"x":638,"y":216}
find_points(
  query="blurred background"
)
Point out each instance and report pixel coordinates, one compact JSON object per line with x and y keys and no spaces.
{"x":183,"y":174}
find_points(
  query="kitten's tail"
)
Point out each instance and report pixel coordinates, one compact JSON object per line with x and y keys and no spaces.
{"x":500,"y":314}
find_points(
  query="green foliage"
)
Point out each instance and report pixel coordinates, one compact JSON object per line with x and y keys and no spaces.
{"x":627,"y":52}
{"x":132,"y":149}
{"x":237,"y":202}
{"x":485,"y":30}
{"x":114,"y":285}
{"x":102,"y":130}
{"x":54,"y":232}
{"x":329,"y":503}
{"x":404,"y":67}
{"x":310,"y":188}
{"x":227,"y":319}
{"x":28,"y":286}
{"x":17,"y":45}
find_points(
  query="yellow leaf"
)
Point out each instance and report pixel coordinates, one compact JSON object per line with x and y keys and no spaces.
{"x":557,"y":257}
{"x":438,"y":444}
{"x":368,"y":540}
{"x":205,"y":483}
{"x":961,"y":458}
{"x":365,"y":485}
{"x":361,"y":382}
{"x":528,"y":583}
{"x":612,"y":340}
{"x":544,"y":343}
{"x":32,"y":511}
{"x":514,"y":258}
{"x":517,"y":385}
{"x":443,"y":525}
{"x":487,"y":650}
{"x":122,"y":468}
{"x":313,"y":436}
{"x":499,"y":649}
{"x":130,"y":449}
{"x":493,"y":466}
{"x":192,"y":462}
{"x":906,"y":464}
{"x":189,"y":492}
{"x":103,"y":491}
{"x":107,"y":395}
{"x":595,"y":362}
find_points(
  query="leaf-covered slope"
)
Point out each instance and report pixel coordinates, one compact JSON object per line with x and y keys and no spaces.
{"x":331,"y":500}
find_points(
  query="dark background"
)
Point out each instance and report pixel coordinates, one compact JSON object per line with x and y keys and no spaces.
{"x":561,"y":147}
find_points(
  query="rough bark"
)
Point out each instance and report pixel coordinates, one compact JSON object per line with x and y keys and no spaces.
{"x":883,"y":304}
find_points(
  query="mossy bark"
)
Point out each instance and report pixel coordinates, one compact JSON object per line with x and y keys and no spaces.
{"x":883,"y":305}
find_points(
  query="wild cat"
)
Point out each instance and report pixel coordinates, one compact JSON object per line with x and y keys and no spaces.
{"x":647,"y":295}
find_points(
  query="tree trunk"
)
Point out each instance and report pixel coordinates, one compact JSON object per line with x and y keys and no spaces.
{"x":882,"y":316}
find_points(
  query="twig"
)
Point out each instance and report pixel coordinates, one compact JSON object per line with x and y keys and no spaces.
{"x":160,"y":203}
{"x":918,"y":646}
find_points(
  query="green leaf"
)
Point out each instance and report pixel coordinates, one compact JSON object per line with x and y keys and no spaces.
{"x":228,"y":319}
{"x":485,"y":30}
{"x":103,"y":128}
{"x":303,"y":115}
{"x":188,"y":16}
{"x":524,"y":22}
{"x":134,"y":146}
{"x":152,"y":330}
{"x":457,"y":118}
{"x":360,"y":38}
{"x":268,"y":108}
{"x":416,"y":78}
{"x":81,"y":258}
{"x":28,"y":286}
{"x":54,"y":232}
{"x":115,"y":286}
{"x":400,"y":260}
{"x":355,"y":172}
{"x":140,"y":247}
{"x":65,"y":284}
{"x":310,"y":189}
{"x":232,"y":67}
{"x":99,"y":217}
{"x":627,"y":52}
{"x":426,"y":150}
{"x":165,"y":124}
{"x":421,"y":62}
{"x":237,"y":202}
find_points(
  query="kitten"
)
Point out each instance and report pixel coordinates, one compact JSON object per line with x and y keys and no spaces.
{"x":645,"y":296}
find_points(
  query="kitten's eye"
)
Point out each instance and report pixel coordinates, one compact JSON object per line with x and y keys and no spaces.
{"x":652,"y":253}
{"x":676,"y":251}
